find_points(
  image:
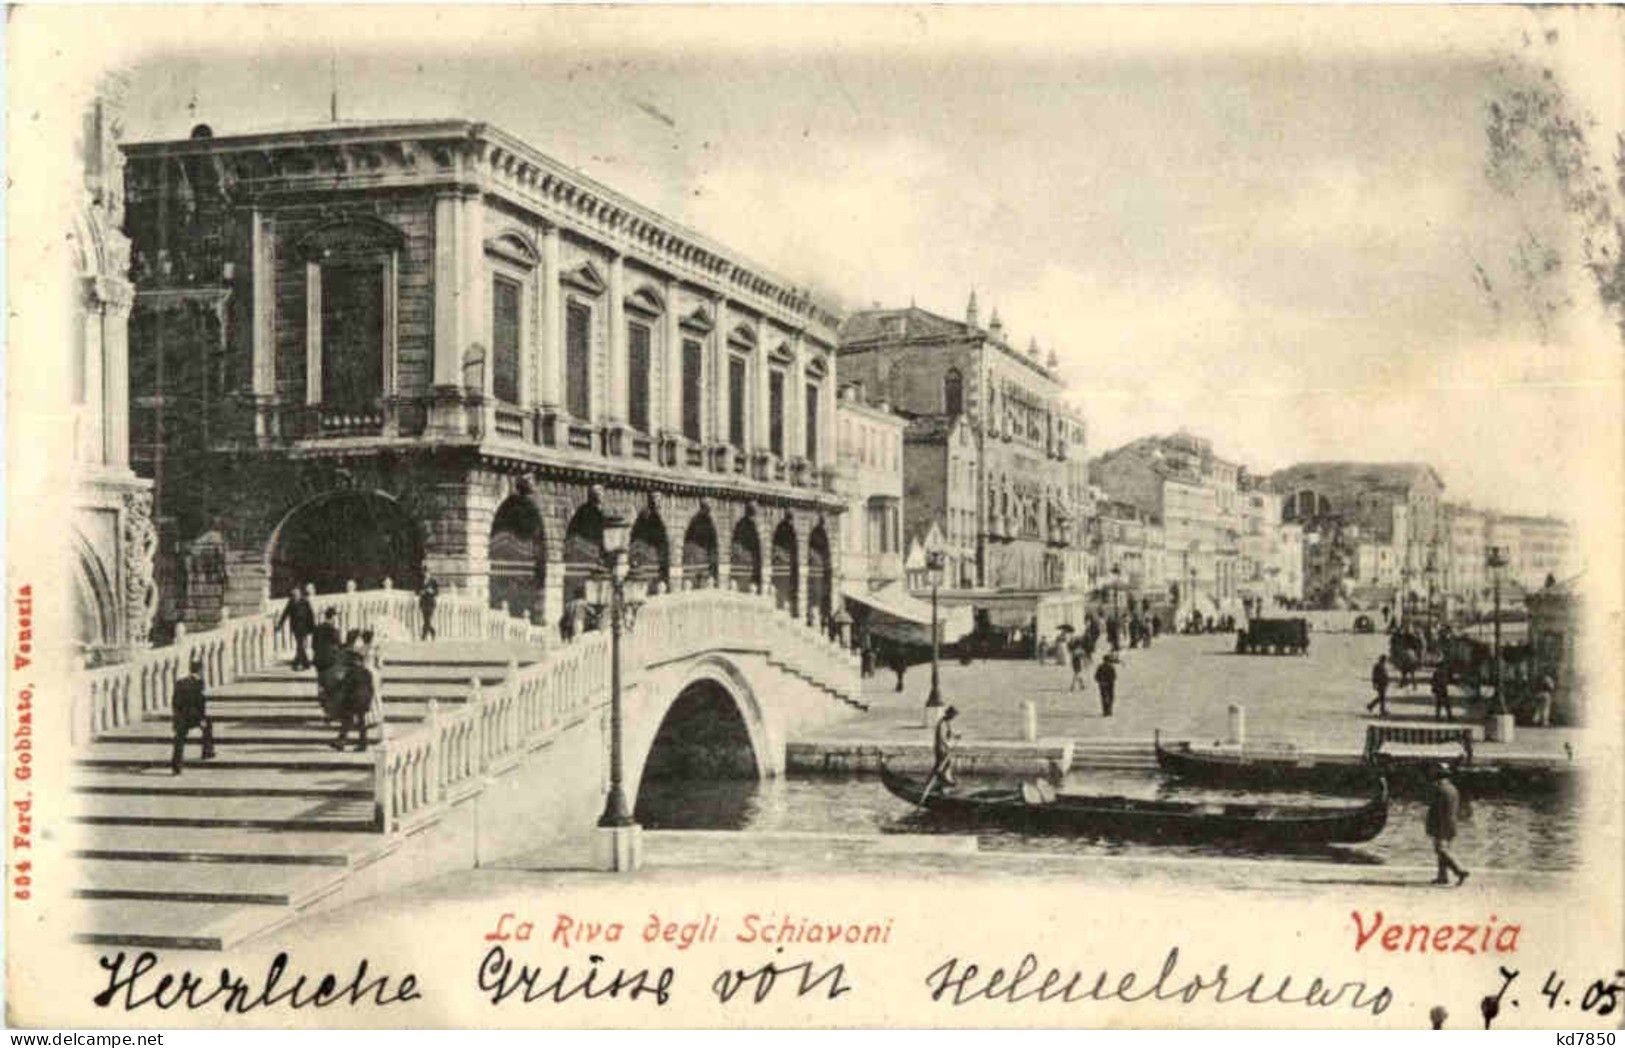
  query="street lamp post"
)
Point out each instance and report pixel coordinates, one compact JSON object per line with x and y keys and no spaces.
{"x":1499,"y":728}
{"x":618,"y":837}
{"x":934,"y":565}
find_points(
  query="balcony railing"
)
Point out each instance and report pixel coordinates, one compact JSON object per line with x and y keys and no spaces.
{"x":450,"y":414}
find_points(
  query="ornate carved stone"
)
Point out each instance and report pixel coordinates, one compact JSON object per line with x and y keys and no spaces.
{"x":138,"y":545}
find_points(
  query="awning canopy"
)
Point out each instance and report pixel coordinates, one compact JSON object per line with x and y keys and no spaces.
{"x":904,"y":617}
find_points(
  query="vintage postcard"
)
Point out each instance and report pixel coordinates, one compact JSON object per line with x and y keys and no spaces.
{"x":812,"y":516}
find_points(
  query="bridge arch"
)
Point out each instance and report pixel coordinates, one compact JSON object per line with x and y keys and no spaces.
{"x":648,"y":554}
{"x":745,"y":557}
{"x":583,"y":550}
{"x":700,"y":551}
{"x":334,"y":538}
{"x":786,"y":566}
{"x":518,"y":557}
{"x":707,"y":724}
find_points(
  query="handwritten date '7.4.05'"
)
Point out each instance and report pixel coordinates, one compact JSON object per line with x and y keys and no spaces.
{"x":1558,"y":992}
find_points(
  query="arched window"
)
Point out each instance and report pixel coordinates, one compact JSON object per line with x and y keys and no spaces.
{"x":953,"y":392}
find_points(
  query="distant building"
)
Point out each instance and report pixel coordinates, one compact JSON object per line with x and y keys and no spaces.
{"x":112,"y":532}
{"x":1031,"y":473}
{"x":1128,"y":547}
{"x":941,"y":483}
{"x":869,"y":476}
{"x":1269,"y":568}
{"x":1195,"y":495}
{"x":1536,"y":548}
{"x":1373,"y":531}
{"x":1465,"y":582}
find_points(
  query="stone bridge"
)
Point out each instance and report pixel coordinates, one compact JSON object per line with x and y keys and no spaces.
{"x":495,"y":743}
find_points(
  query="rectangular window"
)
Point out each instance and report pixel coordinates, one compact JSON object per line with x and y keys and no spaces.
{"x":578,"y":360}
{"x":505,"y":298}
{"x":352,"y":335}
{"x":637,"y":379}
{"x":736,"y":402}
{"x":812,"y":423}
{"x":693,"y":366}
{"x":775,"y":412}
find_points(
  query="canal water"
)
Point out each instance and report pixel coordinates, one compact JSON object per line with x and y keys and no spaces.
{"x":1538,"y":834}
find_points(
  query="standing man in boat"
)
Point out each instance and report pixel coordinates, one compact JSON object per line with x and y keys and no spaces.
{"x":942,"y":748}
{"x":1106,"y":679}
{"x":1379,"y":683}
{"x":1443,"y":813}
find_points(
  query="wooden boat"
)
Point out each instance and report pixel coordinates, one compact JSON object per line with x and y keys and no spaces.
{"x":1409,"y":775}
{"x":1218,"y":822}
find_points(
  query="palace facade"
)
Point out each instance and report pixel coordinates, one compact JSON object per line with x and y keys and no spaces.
{"x":366,"y":352}
{"x":1031,"y":473}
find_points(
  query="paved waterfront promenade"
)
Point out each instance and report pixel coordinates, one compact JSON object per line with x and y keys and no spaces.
{"x":1183,"y":685}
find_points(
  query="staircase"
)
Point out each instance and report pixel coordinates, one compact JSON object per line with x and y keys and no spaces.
{"x":279,"y":823}
{"x":275,"y":823}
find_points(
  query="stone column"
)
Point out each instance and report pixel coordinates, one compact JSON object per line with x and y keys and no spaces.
{"x":550,"y":344}
{"x":716,"y":383}
{"x":672,"y":413}
{"x":116,"y":371}
{"x":826,"y":414}
{"x":262,"y":273}
{"x":758,"y":437}
{"x":616,"y":387}
{"x":795,"y":408}
{"x":456,"y":304}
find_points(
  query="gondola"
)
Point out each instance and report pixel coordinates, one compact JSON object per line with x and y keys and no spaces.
{"x":1409,"y":776}
{"x":1043,"y":811}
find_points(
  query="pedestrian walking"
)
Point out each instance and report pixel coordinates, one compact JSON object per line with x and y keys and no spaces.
{"x":324,"y":641}
{"x":1441,"y":694}
{"x":1106,"y":681}
{"x":1114,"y":634}
{"x":1080,"y":662}
{"x":428,"y":597}
{"x":300,"y":619}
{"x":1379,"y":683}
{"x":942,"y":748}
{"x":1443,"y":813}
{"x":188,"y":709}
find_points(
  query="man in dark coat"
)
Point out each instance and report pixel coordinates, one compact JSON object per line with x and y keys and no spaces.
{"x":1379,"y":684}
{"x":324,"y":642}
{"x":428,"y":595}
{"x":1443,"y":812}
{"x":188,"y":709}
{"x":301,"y":621}
{"x":1106,"y":679}
{"x":1441,"y":694}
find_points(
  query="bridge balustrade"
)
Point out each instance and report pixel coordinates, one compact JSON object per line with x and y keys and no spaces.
{"x":108,"y":698}
{"x":449,"y":754}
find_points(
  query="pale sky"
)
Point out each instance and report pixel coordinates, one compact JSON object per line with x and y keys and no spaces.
{"x":1260,"y":226}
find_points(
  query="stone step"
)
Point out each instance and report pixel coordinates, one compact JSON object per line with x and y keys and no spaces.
{"x":353,"y":783}
{"x":205,"y":884}
{"x":293,"y":736}
{"x":161,"y":924}
{"x":305,"y":715}
{"x":304,"y":691}
{"x":393,"y":674}
{"x":154,"y":754}
{"x":188,"y":845}
{"x":291,"y":813}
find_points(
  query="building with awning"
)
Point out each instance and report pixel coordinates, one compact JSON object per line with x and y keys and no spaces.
{"x":890,"y":612}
